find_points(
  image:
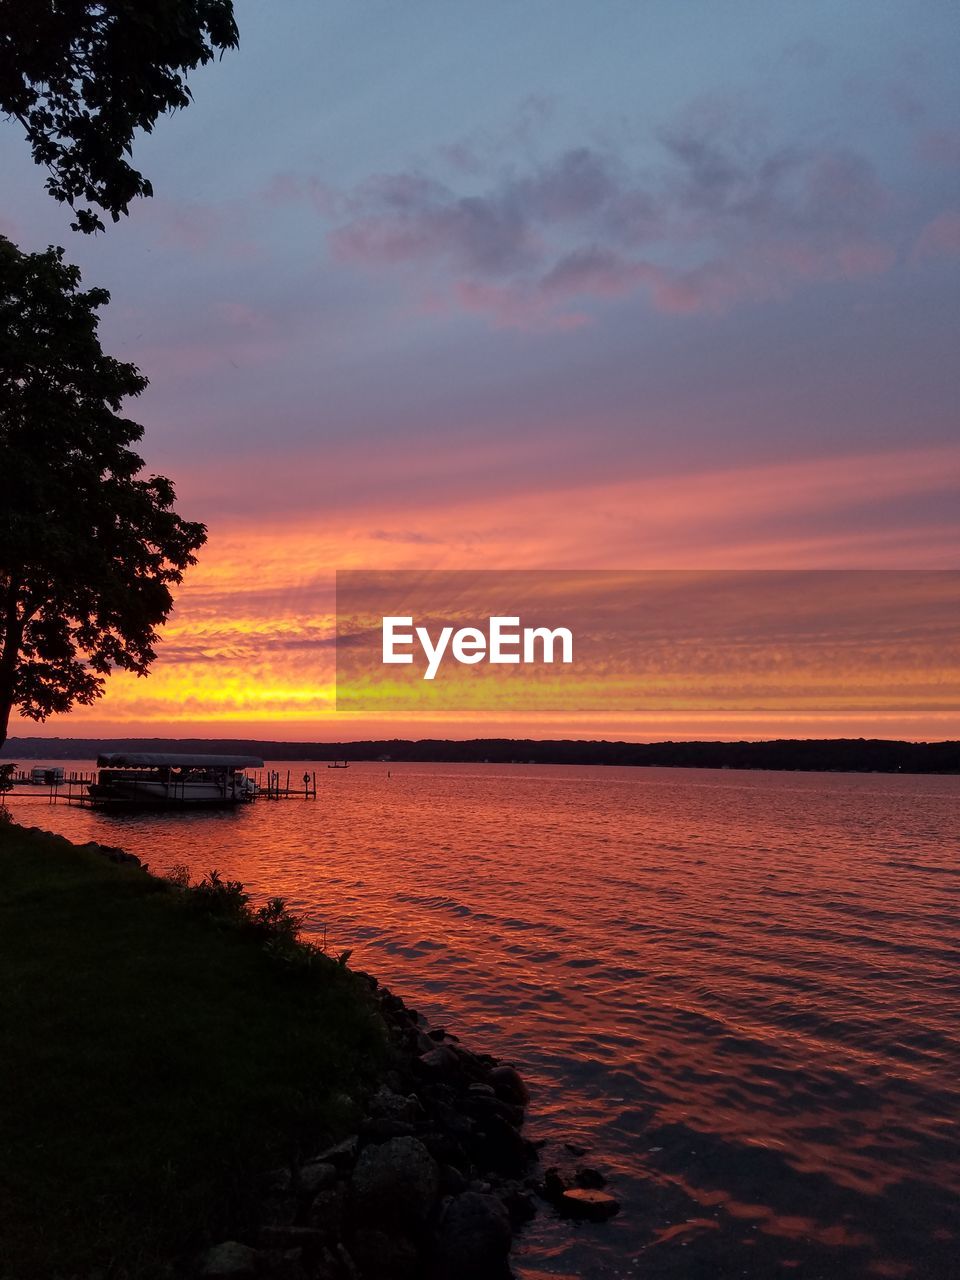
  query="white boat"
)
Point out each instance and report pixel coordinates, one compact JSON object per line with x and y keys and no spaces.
{"x":151,"y":779}
{"x":44,"y":776}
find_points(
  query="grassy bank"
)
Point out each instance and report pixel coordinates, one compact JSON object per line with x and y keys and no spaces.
{"x":157,"y":1053}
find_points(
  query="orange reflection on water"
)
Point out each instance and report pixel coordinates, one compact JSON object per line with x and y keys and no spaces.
{"x":737,"y":991}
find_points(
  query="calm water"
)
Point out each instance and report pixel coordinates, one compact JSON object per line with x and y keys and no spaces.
{"x":740,"y":991}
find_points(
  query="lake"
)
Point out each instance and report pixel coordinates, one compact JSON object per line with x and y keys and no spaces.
{"x":739,"y":992}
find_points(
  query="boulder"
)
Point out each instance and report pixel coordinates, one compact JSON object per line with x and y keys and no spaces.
{"x":593,"y":1206}
{"x":279,"y":1211}
{"x":382,"y":1256}
{"x":282,"y":1264}
{"x":327,"y":1209}
{"x":229,"y":1259}
{"x":452,"y":1181}
{"x":380,"y":1128}
{"x":396,"y":1182}
{"x":293,"y":1237}
{"x":389,"y":1104}
{"x":474,"y":1238}
{"x":316,"y":1176}
{"x":499,"y":1147}
{"x":519,"y":1204}
{"x":509,"y":1086}
{"x":440,"y":1061}
{"x":342,"y":1155}
{"x":555,"y":1183}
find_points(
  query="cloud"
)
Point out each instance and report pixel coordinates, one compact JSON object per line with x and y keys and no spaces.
{"x":940,"y":238}
{"x":724,"y":217}
{"x":416,"y":220}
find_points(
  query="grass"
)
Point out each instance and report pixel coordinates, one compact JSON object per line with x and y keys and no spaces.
{"x":156,"y":1057}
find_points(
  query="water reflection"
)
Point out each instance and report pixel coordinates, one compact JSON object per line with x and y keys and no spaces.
{"x":739,"y":991}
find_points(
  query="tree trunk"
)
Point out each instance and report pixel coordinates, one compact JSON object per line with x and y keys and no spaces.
{"x":9,"y":654}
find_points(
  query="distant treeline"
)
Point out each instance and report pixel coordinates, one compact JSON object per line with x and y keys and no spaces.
{"x":855,"y":755}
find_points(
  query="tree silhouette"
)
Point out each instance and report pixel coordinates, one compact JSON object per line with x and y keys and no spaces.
{"x":82,"y":76}
{"x":89,"y":547}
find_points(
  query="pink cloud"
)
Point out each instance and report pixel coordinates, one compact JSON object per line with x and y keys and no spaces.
{"x":513,"y":307}
{"x":727,"y":220}
{"x":939,"y":238}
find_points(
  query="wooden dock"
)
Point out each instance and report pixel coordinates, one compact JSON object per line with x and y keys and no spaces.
{"x":73,"y":788}
{"x":271,"y":785}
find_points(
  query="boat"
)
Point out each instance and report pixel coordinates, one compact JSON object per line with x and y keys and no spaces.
{"x":44,"y":776}
{"x":150,"y":779}
{"x":338,"y":765}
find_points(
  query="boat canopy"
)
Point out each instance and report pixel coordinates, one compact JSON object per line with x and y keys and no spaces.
{"x":168,"y":760}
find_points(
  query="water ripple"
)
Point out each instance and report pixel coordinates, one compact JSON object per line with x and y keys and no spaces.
{"x":740,"y":991}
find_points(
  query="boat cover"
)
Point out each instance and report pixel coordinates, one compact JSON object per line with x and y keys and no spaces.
{"x":165,"y":759}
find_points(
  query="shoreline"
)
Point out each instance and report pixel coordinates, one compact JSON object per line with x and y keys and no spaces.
{"x":433,"y":1176}
{"x":801,"y":755}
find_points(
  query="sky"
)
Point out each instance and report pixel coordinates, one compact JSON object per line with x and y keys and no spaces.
{"x":606,"y":286}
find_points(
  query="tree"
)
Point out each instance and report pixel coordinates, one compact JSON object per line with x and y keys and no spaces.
{"x":82,"y":76}
{"x":89,"y":547}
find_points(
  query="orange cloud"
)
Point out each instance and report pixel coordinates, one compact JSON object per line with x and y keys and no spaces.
{"x":250,"y":645}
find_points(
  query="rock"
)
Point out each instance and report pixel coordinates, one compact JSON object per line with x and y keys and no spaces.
{"x":445,"y":1149}
{"x":501,"y":1148}
{"x":385,"y":1102}
{"x":480,"y":1090}
{"x":396,"y":1182}
{"x":452,"y":1181}
{"x":291,"y":1237}
{"x":471,"y":1064}
{"x":279,"y":1211}
{"x":278,"y":1180}
{"x":380,"y":1128}
{"x":346,"y":1262}
{"x":452,"y":1120}
{"x":229,"y":1259}
{"x":574,"y":1149}
{"x":474,"y":1238}
{"x":421,"y":1042}
{"x":342,"y":1155}
{"x":509,"y":1086}
{"x":282,"y":1264}
{"x":520,"y":1205}
{"x":555,"y":1184}
{"x":440,"y":1061}
{"x":485,"y":1104}
{"x":380,"y":1256}
{"x":327,"y":1209}
{"x":589,"y":1179}
{"x":593,"y":1206}
{"x":317,"y":1175}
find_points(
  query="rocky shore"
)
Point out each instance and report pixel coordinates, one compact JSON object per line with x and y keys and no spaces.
{"x":433,"y":1182}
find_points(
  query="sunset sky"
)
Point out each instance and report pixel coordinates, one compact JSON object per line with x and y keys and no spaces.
{"x":566,"y":286}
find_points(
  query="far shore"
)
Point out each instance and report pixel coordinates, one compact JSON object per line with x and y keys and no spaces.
{"x":821,"y":755}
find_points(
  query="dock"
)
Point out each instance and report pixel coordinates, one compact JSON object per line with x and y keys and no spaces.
{"x":54,"y":786}
{"x":272,"y":786}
